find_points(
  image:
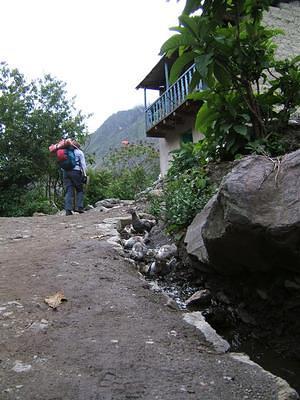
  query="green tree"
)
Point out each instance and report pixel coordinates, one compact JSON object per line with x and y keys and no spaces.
{"x":32,"y":116}
{"x":249,"y":96}
{"x":133,"y":168}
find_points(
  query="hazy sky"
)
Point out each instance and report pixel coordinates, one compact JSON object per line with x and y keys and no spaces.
{"x":101,"y":48}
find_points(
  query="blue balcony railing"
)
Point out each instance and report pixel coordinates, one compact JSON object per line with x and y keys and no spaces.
{"x":171,"y":99}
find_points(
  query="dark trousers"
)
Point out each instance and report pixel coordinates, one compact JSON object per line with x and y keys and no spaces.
{"x":74,"y":189}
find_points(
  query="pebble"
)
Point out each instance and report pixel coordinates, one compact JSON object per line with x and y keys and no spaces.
{"x":20,"y":367}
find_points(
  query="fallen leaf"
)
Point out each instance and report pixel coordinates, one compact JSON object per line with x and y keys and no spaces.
{"x":55,"y":300}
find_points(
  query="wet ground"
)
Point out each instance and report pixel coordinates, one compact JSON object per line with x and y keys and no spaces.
{"x":266,"y":329}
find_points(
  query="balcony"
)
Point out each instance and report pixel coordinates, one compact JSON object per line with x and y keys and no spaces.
{"x":171,"y":104}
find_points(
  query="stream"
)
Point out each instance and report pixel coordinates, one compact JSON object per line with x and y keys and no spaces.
{"x":277,"y":355}
{"x":257,"y":314}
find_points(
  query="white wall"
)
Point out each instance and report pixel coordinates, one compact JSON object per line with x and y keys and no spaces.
{"x":173,"y":141}
{"x":166,"y":145}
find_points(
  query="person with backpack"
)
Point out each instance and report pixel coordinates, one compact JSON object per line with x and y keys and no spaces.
{"x":71,"y":160}
{"x":74,"y":180}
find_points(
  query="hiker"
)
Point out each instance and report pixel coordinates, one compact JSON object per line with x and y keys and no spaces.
{"x":74,"y":180}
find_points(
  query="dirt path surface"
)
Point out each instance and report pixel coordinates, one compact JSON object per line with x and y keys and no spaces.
{"x":114,"y":338}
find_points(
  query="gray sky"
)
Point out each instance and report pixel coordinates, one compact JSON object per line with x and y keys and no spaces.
{"x":101,"y":48}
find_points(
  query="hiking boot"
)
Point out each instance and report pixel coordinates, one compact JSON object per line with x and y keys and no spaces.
{"x":80,"y":210}
{"x":69,"y":212}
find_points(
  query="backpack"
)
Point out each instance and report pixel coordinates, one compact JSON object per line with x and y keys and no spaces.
{"x":66,"y":158}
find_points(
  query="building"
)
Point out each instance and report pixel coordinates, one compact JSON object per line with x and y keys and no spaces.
{"x":171,"y":118}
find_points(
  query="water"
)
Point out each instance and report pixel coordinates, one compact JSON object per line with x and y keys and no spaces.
{"x":268,"y":358}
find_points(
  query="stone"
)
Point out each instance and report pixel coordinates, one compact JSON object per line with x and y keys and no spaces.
{"x":194,"y":239}
{"x":253,"y":222}
{"x":122,"y":222}
{"x":107,"y":203}
{"x":156,"y":193}
{"x":291,"y":285}
{"x":221,"y":296}
{"x":200,"y":298}
{"x":262,"y":294}
{"x":245,"y":317}
{"x":197,"y":319}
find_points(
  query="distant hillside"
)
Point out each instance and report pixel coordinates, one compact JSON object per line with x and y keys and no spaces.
{"x":123,"y":125}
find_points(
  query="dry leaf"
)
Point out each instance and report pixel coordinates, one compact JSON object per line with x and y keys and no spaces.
{"x":55,"y":300}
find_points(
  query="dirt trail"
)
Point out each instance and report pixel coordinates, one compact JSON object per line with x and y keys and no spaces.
{"x":114,"y":338}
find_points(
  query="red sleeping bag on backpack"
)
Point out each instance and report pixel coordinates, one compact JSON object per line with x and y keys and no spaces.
{"x":63,"y":144}
{"x":64,"y":151}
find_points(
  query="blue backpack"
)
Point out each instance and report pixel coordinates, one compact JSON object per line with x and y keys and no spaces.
{"x":66,"y":158}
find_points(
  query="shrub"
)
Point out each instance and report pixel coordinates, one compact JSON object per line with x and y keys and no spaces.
{"x":97,"y":189}
{"x":21,"y":202}
{"x":185,"y":196}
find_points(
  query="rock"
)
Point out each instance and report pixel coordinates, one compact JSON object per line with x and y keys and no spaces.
{"x":166,"y":252}
{"x":245,"y":317}
{"x":128,"y":244}
{"x":107,"y":203}
{"x":253,"y":222}
{"x":138,"y":251}
{"x":102,"y":209}
{"x":144,"y":269}
{"x":221,"y":296}
{"x":161,"y":267}
{"x":291,"y":285}
{"x":122,"y":223}
{"x":127,"y":202}
{"x":200,"y":298}
{"x":197,"y":319}
{"x":194,"y":239}
{"x":262,"y":294}
{"x":156,"y":193}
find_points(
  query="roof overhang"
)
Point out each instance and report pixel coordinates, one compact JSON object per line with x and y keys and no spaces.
{"x":156,"y":78}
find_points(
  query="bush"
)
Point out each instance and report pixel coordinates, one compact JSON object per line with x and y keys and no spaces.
{"x":97,"y":189}
{"x":19,"y":202}
{"x":185,"y":196}
{"x":127,"y":171}
{"x":128,"y":183}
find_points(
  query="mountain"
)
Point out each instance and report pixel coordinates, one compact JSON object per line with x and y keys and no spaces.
{"x":124,"y":125}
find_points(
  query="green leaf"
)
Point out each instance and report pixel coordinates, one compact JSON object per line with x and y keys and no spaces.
{"x":202,"y":62}
{"x":176,"y":41}
{"x":295,"y":60}
{"x":191,"y":6}
{"x":190,"y":24}
{"x":225,"y":127}
{"x":179,"y":64}
{"x":195,"y":81}
{"x":205,"y":118}
{"x":199,"y":96}
{"x":241,"y":129}
{"x":221,"y":74}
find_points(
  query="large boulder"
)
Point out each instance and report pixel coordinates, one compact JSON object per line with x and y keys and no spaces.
{"x":253,"y":222}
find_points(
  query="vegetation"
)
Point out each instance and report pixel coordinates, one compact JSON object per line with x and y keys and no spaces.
{"x":248,"y":99}
{"x":126,"y":172}
{"x":249,"y":95}
{"x":32,"y":116}
{"x":187,"y":188}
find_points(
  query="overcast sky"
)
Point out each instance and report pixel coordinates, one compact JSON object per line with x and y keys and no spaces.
{"x":101,"y":48}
